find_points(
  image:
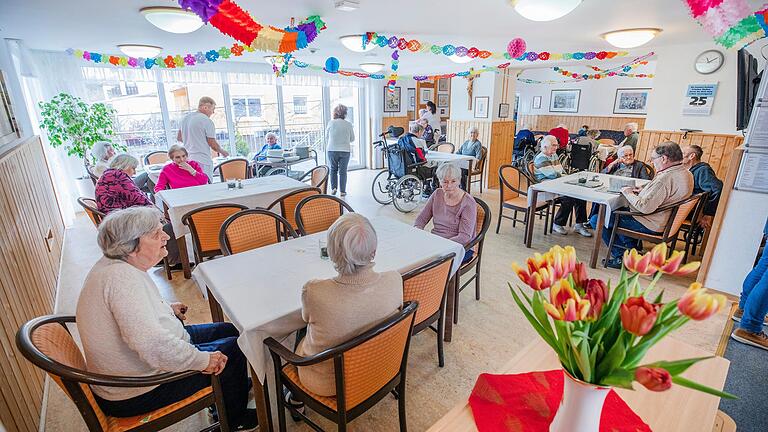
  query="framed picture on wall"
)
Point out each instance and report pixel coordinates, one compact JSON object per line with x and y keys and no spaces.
{"x":443,"y":85}
{"x":503,"y":110}
{"x":481,"y":106}
{"x":564,"y":101}
{"x":442,"y":100}
{"x":411,"y":99}
{"x":536,"y":102}
{"x":631,"y":101}
{"x":443,"y":111}
{"x":427,"y":94}
{"x":392,"y":100}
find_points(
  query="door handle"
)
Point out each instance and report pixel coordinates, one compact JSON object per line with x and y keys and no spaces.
{"x":48,"y":239}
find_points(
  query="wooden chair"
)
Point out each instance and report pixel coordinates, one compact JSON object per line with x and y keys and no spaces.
{"x":238,"y":168}
{"x":481,"y":228}
{"x":91,"y":209}
{"x":513,"y":195}
{"x":607,"y":141}
{"x":92,"y":175}
{"x":317,"y":213}
{"x":204,"y":224}
{"x":444,"y":147}
{"x":156,"y":157}
{"x":678,"y":211}
{"x":289,"y":201}
{"x":531,"y":172}
{"x":478,"y":169}
{"x":691,"y":230}
{"x":47,"y":343}
{"x":251,"y":229}
{"x":723,"y":423}
{"x":427,"y":286}
{"x":368,"y":367}
{"x":318,"y":177}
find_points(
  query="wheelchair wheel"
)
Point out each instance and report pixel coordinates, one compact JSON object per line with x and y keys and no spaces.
{"x":407,"y":193}
{"x":594,"y":164}
{"x":381,"y":189}
{"x":276,"y":171}
{"x":565,"y":162}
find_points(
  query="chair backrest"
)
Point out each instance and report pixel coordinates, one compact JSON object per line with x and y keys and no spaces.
{"x":445,"y":147}
{"x":426,"y":285}
{"x":607,"y":141}
{"x":318,"y":177}
{"x":48,"y":344}
{"x":251,"y":229}
{"x":479,"y":165}
{"x":91,"y":209}
{"x":684,"y":208}
{"x":156,"y":157}
{"x":481,"y":226}
{"x":205,"y":223}
{"x":580,"y":156}
{"x":373,"y":359}
{"x":514,"y":183}
{"x":289,"y":201}
{"x":531,"y":171}
{"x":318,"y":212}
{"x":91,"y":174}
{"x":648,"y":168}
{"x":238,"y":168}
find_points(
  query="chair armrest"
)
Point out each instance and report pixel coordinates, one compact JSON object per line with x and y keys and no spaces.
{"x":291,"y":357}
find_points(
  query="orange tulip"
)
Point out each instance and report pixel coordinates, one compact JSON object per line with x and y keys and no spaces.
{"x":566,"y":304}
{"x":698,"y":305}
{"x":562,"y":261}
{"x":637,"y":316}
{"x":597,"y":294}
{"x":672,"y":265}
{"x":538,"y":279}
{"x":580,"y":276}
{"x":654,"y":379}
{"x":637,"y":263}
{"x":658,"y":255}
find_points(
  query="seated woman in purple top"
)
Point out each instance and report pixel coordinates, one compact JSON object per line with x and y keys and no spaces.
{"x":453,"y":212}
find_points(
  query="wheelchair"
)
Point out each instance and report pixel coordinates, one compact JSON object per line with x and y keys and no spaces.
{"x":397,"y":183}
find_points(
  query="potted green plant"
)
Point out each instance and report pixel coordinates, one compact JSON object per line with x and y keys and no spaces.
{"x":71,"y":122}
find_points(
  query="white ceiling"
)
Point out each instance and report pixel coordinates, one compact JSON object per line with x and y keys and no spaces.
{"x":100,"y":25}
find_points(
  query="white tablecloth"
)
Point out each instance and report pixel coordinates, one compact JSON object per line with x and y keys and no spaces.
{"x":462,"y":161}
{"x":257,"y":192}
{"x":549,"y":189}
{"x":260,"y":290}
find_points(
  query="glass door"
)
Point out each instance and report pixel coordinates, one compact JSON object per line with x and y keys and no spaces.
{"x":350,"y":97}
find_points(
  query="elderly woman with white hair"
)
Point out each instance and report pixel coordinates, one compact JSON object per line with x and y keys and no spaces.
{"x":270,"y":143}
{"x":102,"y":152}
{"x":128,"y":329}
{"x":472,"y":146}
{"x":452,"y":211}
{"x":182,"y":172}
{"x":338,"y":309}
{"x":630,"y":136}
{"x":339,"y":136}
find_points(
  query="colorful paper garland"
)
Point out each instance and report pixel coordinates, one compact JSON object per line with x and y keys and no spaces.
{"x":730,"y":22}
{"x":229,"y":18}
{"x":169,"y":61}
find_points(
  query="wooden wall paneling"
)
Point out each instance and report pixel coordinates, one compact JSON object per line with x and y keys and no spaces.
{"x":499,"y":150}
{"x":574,"y":123}
{"x":394,"y":121}
{"x":717,"y":147}
{"x":457,"y":131}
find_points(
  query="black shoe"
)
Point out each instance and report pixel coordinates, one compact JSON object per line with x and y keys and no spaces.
{"x":248,"y":421}
{"x":179,"y":267}
{"x":298,"y":406}
{"x":614,"y":263}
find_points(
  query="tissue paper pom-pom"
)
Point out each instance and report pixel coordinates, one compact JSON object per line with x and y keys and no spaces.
{"x":601,"y":55}
{"x":212,"y":56}
{"x":402,"y":44}
{"x":200,"y":57}
{"x":178,"y":61}
{"x":578,"y":56}
{"x":556,"y":68}
{"x":473,"y":52}
{"x":189,"y":60}
{"x":237,"y":50}
{"x":436,"y":49}
{"x":132,"y":62}
{"x":610,"y":54}
{"x":414,"y":45}
{"x":484,"y":54}
{"x":461,"y":51}
{"x":395,"y":55}
{"x":516,"y":47}
{"x":393,"y":42}
{"x":532,"y":56}
{"x":589,"y":55}
{"x":114,"y":60}
{"x":381,"y":41}
{"x":123,"y":61}
{"x":544,"y":56}
{"x":148,"y":63}
{"x":450,"y":50}
{"x":332,"y":64}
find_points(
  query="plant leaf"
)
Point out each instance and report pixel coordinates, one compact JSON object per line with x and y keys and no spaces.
{"x":546,"y":335}
{"x":678,"y":366}
{"x":619,"y":378}
{"x":701,"y":387}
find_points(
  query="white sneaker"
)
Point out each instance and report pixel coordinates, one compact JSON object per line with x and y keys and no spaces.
{"x":343,"y":194}
{"x":333,"y":191}
{"x":582,"y":230}
{"x":559,"y":229}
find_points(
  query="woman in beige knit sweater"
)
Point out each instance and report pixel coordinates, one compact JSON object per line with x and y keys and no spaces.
{"x":336,"y":310}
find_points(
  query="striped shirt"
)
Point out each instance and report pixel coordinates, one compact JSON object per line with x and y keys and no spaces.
{"x":547,"y":167}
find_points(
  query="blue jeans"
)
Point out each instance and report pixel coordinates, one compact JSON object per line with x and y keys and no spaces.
{"x":754,"y":296}
{"x":339,"y":161}
{"x":234,"y":379}
{"x":621,"y":242}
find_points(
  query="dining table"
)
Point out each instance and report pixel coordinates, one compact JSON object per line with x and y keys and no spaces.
{"x":594,"y":190}
{"x":259,"y":290}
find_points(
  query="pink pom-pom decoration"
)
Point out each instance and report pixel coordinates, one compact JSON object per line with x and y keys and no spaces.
{"x":516,"y":47}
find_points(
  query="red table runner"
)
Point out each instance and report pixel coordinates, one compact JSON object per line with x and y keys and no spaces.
{"x":528,"y":403}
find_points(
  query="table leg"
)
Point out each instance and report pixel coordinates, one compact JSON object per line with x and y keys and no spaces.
{"x":469,"y":177}
{"x":184,"y":256}
{"x":598,"y":233}
{"x":531,"y":218}
{"x":261,"y":397}
{"x":217,"y":315}
{"x":448,"y":322}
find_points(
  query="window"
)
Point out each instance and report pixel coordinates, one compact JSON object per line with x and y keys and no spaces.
{"x":182,"y":98}
{"x":299,"y":104}
{"x":254,"y":114}
{"x":254,"y":107}
{"x":246,"y":107}
{"x":131,"y":89}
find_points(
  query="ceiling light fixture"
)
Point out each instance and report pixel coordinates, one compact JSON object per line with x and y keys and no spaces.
{"x":371,"y":67}
{"x":171,"y":19}
{"x":461,"y":60}
{"x":138,"y":50}
{"x":544,"y":10}
{"x":355,"y":43}
{"x":630,"y":38}
{"x":346,"y":5}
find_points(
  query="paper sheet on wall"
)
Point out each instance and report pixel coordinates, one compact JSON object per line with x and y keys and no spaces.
{"x":753,"y":173}
{"x":757,"y":133}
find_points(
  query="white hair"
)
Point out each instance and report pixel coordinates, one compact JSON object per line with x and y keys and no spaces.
{"x":124,"y":161}
{"x":472,"y":129}
{"x":631,"y":126}
{"x":120,"y":231}
{"x":561,"y":125}
{"x":100,"y":149}
{"x":270,"y":134}
{"x":352,"y":243}
{"x":415,"y":128}
{"x":623,"y":150}
{"x":548,"y":141}
{"x":448,"y":171}
{"x":176,"y":148}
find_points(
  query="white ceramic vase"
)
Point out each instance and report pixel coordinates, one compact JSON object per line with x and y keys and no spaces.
{"x":580,"y":408}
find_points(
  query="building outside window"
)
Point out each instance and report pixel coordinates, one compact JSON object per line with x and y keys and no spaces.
{"x":299,"y":104}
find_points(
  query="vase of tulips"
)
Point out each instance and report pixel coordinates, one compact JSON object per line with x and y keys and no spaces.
{"x":601,"y":334}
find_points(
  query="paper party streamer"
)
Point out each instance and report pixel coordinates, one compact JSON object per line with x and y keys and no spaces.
{"x":393,"y":76}
{"x":232,"y":20}
{"x":730,"y":22}
{"x":169,"y":61}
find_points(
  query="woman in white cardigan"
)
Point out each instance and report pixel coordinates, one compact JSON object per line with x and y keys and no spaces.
{"x":339,"y":135}
{"x":127,"y":329}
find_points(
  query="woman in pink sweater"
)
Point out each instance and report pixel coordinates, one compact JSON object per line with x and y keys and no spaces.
{"x":181,"y":173}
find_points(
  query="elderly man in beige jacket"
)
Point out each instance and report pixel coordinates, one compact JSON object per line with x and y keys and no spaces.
{"x":673,"y":182}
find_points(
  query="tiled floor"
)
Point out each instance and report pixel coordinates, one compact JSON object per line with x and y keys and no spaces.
{"x":489,"y":333}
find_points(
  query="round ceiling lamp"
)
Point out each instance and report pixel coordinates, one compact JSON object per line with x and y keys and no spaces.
{"x":171,"y":19}
{"x":355,"y":43}
{"x":630,"y":38}
{"x":371,"y":67}
{"x":138,"y":50}
{"x":461,"y":60}
{"x":544,"y":10}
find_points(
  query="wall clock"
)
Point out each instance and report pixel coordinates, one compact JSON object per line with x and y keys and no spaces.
{"x":709,"y":62}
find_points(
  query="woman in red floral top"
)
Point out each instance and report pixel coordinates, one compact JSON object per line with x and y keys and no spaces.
{"x":115,"y":190}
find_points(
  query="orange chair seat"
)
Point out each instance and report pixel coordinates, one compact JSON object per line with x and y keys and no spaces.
{"x":292,"y":374}
{"x":120,"y":424}
{"x":522,"y":202}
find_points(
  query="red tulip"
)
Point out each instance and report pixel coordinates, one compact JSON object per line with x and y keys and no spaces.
{"x":580,"y":277}
{"x":597,"y":294}
{"x":698,"y":305}
{"x":637,"y":316}
{"x":654,"y":379}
